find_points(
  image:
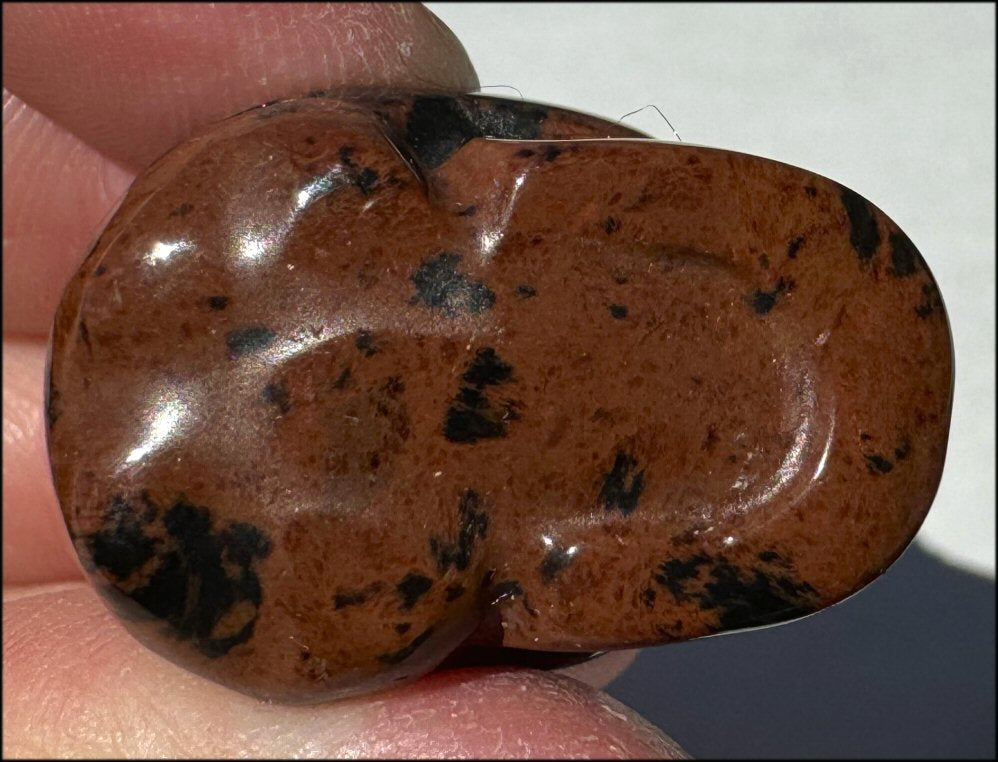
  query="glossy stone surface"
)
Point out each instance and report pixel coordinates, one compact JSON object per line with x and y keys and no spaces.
{"x":343,"y":386}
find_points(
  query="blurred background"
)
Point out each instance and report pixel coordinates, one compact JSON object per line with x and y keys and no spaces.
{"x":898,"y":103}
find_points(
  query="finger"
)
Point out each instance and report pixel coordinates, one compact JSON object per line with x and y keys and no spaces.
{"x":63,"y":691}
{"x":57,"y":192}
{"x":36,"y":546}
{"x":134,"y":79}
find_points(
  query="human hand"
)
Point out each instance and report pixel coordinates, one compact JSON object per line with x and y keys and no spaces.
{"x":92,"y":94}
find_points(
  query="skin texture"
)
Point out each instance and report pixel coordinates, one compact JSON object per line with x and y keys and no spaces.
{"x":77,"y":128}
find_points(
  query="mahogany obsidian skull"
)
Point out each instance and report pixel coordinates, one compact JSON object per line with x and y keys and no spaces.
{"x":350,"y":382}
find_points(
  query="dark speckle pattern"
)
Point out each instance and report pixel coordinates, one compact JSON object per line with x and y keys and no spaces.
{"x":439,"y":125}
{"x":863,"y":232}
{"x":440,"y":286}
{"x":51,"y":402}
{"x":878,"y":464}
{"x":413,"y":587}
{"x":618,"y":311}
{"x":364,"y":179}
{"x":218,"y":303}
{"x":741,"y":597}
{"x":764,"y":301}
{"x":122,"y":547}
{"x":364,"y":341}
{"x":904,"y":256}
{"x":622,"y":487}
{"x":276,"y":395}
{"x":244,"y":341}
{"x":473,"y":525}
{"x":346,"y":598}
{"x":472,"y":415}
{"x":556,"y":559}
{"x":204,"y":583}
{"x":396,"y":657}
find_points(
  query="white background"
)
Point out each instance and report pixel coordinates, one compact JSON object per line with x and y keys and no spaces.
{"x":895,"y":101}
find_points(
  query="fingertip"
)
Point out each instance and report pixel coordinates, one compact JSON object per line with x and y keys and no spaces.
{"x":485,"y":713}
{"x":134,"y":79}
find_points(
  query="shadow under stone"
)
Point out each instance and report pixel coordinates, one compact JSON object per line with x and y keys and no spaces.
{"x":903,"y":669}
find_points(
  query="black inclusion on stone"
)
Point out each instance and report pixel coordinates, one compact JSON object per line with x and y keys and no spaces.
{"x":903,"y":450}
{"x":183,"y":210}
{"x":244,"y":341}
{"x":453,"y":592}
{"x":551,"y":153}
{"x":439,"y":125}
{"x":621,"y":488}
{"x":794,"y":246}
{"x":85,"y":335}
{"x":365,"y":343}
{"x":395,"y":657}
{"x":100,"y":270}
{"x":611,"y":225}
{"x":277,"y":395}
{"x":365,"y":179}
{"x":440,"y":286}
{"x":648,"y":596}
{"x":863,"y":234}
{"x":218,"y":302}
{"x":526,"y":292}
{"x":471,"y":416}
{"x":51,"y":401}
{"x":741,"y":597}
{"x":878,"y":464}
{"x":554,"y":561}
{"x":341,"y":380}
{"x":509,"y":121}
{"x":904,"y":256}
{"x":618,"y":311}
{"x":675,"y":573}
{"x":122,"y":546}
{"x":509,"y":588}
{"x":764,"y":301}
{"x":753,"y":598}
{"x":932,"y":301}
{"x":202,"y":575}
{"x":473,"y":524}
{"x":349,"y":598}
{"x":487,"y":369}
{"x":413,"y":587}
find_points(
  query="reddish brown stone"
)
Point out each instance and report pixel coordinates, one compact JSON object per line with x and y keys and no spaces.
{"x":343,"y":385}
